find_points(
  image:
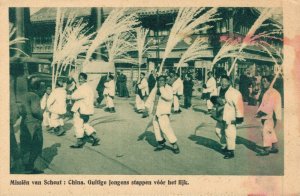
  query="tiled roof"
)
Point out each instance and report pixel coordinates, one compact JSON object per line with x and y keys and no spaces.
{"x":49,"y":14}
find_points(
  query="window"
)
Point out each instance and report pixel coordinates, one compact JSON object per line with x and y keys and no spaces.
{"x":219,"y":27}
{"x":224,"y":26}
{"x":151,"y":33}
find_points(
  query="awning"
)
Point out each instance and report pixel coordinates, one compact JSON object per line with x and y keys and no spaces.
{"x":28,"y":60}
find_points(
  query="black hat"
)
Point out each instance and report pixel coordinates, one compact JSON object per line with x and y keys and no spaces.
{"x":225,"y":77}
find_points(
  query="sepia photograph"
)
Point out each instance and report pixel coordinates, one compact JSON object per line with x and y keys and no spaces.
{"x":146,"y":91}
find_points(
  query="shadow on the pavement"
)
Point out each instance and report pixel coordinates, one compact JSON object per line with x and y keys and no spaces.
{"x":48,"y":155}
{"x":202,"y":125}
{"x":248,"y":144}
{"x":209,"y":143}
{"x":68,"y":126}
{"x":197,"y":109}
{"x":149,"y":137}
{"x":100,"y":106}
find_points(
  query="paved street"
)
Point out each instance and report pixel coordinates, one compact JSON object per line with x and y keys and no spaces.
{"x":127,"y":150}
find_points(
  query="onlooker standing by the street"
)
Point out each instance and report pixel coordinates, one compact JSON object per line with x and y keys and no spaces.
{"x":117,"y":86}
{"x":210,"y":89}
{"x":188,"y":90}
{"x":253,"y":92}
{"x":269,"y":112}
{"x":122,"y":88}
{"x":244,"y":84}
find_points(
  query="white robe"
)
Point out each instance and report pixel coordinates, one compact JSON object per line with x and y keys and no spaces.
{"x":56,"y":102}
{"x":143,"y":86}
{"x":271,"y":102}
{"x":84,"y":100}
{"x":178,"y":87}
{"x":164,"y":102}
{"x":110,"y":88}
{"x":233,"y":108}
{"x":211,"y":86}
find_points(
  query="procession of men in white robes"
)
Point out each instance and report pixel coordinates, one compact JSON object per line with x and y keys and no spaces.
{"x":225,"y":100}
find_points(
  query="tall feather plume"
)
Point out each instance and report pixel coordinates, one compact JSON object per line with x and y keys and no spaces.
{"x":116,"y":23}
{"x":119,"y":47}
{"x":265,"y":14}
{"x":185,"y":25}
{"x":71,"y":40}
{"x":194,"y":51}
{"x":230,"y":49}
{"x":142,"y":46}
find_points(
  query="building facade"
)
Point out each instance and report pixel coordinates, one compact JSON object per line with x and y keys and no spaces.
{"x":234,"y":23}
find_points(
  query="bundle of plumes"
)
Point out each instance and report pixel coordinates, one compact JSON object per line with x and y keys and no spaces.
{"x":71,"y":40}
{"x":254,"y":38}
{"x":142,"y":46}
{"x":115,"y":24}
{"x":194,"y":51}
{"x":17,"y":40}
{"x":261,"y":40}
{"x":188,"y":21}
{"x":119,"y":47}
{"x":230,"y":49}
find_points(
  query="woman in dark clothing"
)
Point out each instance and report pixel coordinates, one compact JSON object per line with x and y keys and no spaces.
{"x":188,"y":91}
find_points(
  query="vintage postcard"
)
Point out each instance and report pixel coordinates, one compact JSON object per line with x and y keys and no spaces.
{"x":150,"y":98}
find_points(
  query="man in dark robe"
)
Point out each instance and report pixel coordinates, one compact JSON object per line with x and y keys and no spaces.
{"x":244,"y":84}
{"x":122,"y":88}
{"x":100,"y":89}
{"x":188,"y":91}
